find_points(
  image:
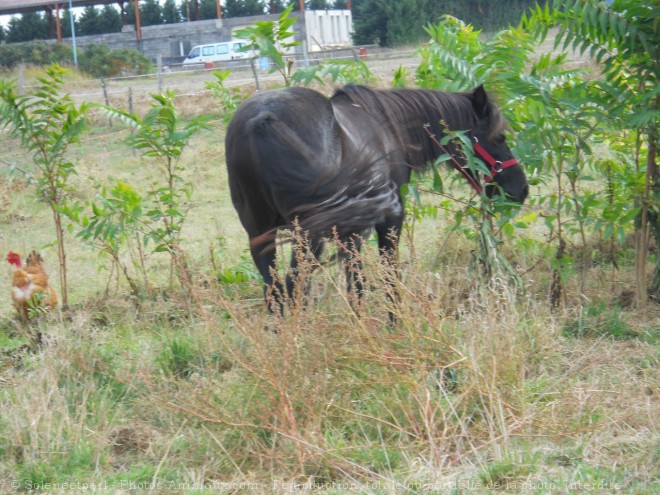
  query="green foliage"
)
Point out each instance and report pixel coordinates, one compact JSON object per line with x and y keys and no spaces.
{"x":391,"y":23}
{"x":161,"y":135}
{"x":121,"y":218}
{"x":242,"y":8}
{"x":228,"y":98}
{"x":47,"y":123}
{"x":34,"y":53}
{"x":559,"y":116}
{"x":101,"y":61}
{"x":97,"y":60}
{"x":98,"y":21}
{"x":400,"y":79}
{"x":115,"y":221}
{"x":599,"y":320}
{"x":89,"y":22}
{"x":150,"y":13}
{"x":269,"y":39}
{"x":171,"y":14}
{"x":338,"y":71}
{"x":503,"y":474}
{"x":625,"y":38}
{"x":231,"y":273}
{"x":27,"y":27}
{"x":179,"y":358}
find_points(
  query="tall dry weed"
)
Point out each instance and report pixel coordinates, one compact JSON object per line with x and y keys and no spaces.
{"x":331,"y":389}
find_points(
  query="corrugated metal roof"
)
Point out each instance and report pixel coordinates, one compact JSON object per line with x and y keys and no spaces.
{"x":8,"y":7}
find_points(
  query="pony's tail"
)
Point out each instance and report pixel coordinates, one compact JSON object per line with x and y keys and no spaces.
{"x":347,"y":199}
{"x":354,"y":203}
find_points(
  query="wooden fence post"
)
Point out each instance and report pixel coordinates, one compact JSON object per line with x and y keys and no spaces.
{"x":104,"y":85}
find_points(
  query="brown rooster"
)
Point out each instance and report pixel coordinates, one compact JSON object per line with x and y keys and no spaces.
{"x":30,"y":287}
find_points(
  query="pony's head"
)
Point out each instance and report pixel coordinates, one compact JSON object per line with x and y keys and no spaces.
{"x":490,"y":146}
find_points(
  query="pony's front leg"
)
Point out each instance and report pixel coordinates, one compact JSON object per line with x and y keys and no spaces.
{"x":388,"y":242}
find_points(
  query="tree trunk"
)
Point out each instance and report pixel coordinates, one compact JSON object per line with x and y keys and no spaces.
{"x":653,"y":216}
{"x":61,"y":254}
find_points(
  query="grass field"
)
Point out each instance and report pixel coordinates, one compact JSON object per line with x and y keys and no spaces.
{"x":199,"y":390}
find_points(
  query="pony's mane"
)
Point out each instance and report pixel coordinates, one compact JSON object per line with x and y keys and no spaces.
{"x":407,"y":111}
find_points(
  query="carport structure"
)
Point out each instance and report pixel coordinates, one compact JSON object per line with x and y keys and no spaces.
{"x":52,"y":9}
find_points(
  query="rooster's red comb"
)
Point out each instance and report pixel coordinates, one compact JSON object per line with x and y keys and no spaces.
{"x":14,"y":259}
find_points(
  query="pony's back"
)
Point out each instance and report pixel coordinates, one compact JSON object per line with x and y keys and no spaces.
{"x":287,"y":158}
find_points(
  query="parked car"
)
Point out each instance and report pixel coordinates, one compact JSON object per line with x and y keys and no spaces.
{"x":218,"y":52}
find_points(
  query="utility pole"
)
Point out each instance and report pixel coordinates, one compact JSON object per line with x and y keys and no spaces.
{"x":73,"y":34}
{"x":138,"y":25}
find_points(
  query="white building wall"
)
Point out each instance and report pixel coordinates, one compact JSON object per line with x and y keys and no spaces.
{"x":328,"y":29}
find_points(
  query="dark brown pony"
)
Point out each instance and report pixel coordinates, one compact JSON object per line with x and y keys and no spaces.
{"x":335,"y":165}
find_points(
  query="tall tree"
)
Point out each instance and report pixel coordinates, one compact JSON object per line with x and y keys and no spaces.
{"x":151,"y":13}
{"x":318,"y":4}
{"x":276,"y":6}
{"x":110,"y":20}
{"x":392,"y":22}
{"x":65,"y":22}
{"x":171,"y":14}
{"x":90,"y":22}
{"x":208,"y":9}
{"x":29,"y":26}
{"x":243,"y":8}
{"x":369,"y":23}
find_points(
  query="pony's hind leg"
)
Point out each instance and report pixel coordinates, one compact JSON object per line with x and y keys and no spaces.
{"x":264,"y":259}
{"x":304,"y":256}
{"x":350,"y":254}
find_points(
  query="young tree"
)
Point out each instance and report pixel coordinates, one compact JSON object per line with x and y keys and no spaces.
{"x":47,"y":123}
{"x":625,"y":38}
{"x":270,"y":39}
{"x":162,"y":136}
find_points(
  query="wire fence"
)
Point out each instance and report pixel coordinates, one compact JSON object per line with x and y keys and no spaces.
{"x":187,"y":81}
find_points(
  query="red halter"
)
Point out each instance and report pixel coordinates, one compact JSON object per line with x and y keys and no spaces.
{"x":496,"y":166}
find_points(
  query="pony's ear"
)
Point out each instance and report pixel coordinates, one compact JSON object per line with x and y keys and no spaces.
{"x":480,"y":101}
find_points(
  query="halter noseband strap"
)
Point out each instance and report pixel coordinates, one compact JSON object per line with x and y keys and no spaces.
{"x":496,"y":166}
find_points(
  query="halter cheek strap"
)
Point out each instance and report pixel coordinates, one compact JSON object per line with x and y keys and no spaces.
{"x":496,"y":166}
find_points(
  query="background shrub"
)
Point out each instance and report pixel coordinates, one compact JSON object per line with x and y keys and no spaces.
{"x":101,"y":61}
{"x":96,"y":60}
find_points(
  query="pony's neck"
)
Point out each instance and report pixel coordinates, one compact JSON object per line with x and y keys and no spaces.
{"x":420,"y":119}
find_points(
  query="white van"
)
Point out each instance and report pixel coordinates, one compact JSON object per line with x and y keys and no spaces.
{"x":218,"y":52}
